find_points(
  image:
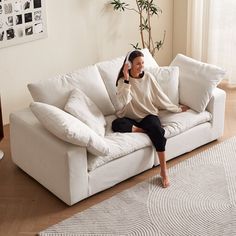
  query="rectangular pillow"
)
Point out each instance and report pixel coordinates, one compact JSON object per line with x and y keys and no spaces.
{"x":83,"y":108}
{"x":196,"y":81}
{"x":89,"y":80}
{"x":168,"y":79}
{"x":69,"y":128}
{"x":54,"y":91}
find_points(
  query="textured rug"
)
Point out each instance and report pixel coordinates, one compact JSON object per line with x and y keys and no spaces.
{"x":200,"y":201}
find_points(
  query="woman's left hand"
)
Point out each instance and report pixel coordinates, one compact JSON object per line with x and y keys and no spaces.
{"x":184,"y":108}
{"x":126,"y":71}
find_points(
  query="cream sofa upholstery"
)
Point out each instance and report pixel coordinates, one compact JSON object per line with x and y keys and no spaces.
{"x":71,"y":172}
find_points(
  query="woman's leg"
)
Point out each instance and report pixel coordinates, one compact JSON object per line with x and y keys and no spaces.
{"x":152,"y":127}
{"x":124,"y":125}
{"x":164,"y":173}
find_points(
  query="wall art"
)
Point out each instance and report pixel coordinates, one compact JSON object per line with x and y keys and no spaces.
{"x":22,"y":21}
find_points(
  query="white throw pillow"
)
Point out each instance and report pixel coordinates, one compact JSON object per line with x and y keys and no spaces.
{"x":196,"y":81}
{"x":83,"y":108}
{"x":168,"y":78}
{"x":69,"y":128}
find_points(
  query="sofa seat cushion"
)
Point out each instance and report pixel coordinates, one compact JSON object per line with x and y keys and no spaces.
{"x":173,"y":123}
{"x":120,"y":144}
{"x":176,"y":123}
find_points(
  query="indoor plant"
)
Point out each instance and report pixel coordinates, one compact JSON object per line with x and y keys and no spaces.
{"x":146,"y":9}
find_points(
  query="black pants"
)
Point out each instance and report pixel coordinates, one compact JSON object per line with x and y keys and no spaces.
{"x":150,"y":124}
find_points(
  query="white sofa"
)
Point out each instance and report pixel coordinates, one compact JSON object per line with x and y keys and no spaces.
{"x":70,"y":171}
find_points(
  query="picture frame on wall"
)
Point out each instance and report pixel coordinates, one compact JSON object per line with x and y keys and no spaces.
{"x":22,"y":21}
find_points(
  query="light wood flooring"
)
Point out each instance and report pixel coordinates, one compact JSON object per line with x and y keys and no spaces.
{"x":27,"y":208}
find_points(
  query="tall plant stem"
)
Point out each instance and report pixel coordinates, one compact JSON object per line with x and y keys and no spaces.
{"x":149,"y":27}
{"x":140,"y":24}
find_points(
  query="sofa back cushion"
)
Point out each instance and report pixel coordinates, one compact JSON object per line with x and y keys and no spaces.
{"x":55,"y":91}
{"x":196,"y":81}
{"x":168,"y":79}
{"x":109,"y":71}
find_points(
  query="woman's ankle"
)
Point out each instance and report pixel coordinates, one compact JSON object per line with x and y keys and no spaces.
{"x":164,"y":173}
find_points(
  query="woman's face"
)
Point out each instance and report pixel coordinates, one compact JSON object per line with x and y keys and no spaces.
{"x":137,"y":66}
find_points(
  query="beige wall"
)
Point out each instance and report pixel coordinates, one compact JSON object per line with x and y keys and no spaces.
{"x":79,"y":33}
{"x":180,"y":26}
{"x":165,"y":22}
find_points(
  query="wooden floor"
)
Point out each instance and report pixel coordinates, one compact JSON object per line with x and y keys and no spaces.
{"x":27,"y":208}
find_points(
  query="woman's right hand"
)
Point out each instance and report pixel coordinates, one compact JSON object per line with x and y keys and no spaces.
{"x":126,"y":71}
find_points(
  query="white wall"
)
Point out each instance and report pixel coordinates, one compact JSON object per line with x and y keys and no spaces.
{"x":79,"y":33}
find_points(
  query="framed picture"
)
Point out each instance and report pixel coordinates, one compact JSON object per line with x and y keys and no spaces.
{"x":22,"y":21}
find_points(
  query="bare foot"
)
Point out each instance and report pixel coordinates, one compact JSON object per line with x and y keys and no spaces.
{"x":137,"y":129}
{"x":165,"y":180}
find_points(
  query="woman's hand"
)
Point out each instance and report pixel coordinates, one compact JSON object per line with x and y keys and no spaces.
{"x":126,"y":71}
{"x":184,"y":108}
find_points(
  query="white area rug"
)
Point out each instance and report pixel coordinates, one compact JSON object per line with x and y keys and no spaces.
{"x":200,"y":201}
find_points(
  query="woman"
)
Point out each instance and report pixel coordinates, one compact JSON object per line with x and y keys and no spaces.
{"x":140,"y":98}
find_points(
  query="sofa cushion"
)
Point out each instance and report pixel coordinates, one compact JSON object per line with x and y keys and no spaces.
{"x":69,"y":128}
{"x":55,"y":91}
{"x":173,"y":123}
{"x":196,"y":81}
{"x":82,"y":107}
{"x":176,"y":123}
{"x":168,"y":78}
{"x":109,"y":71}
{"x":121,"y":144}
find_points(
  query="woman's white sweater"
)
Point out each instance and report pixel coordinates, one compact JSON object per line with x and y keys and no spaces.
{"x":142,"y":97}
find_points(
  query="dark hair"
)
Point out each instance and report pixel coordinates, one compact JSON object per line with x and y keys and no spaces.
{"x":132,"y":56}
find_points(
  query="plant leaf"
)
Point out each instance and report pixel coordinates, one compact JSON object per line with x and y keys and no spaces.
{"x":118,"y":5}
{"x":136,"y":46}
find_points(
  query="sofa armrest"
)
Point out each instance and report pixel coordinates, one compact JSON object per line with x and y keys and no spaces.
{"x":216,"y":107}
{"x":59,"y":166}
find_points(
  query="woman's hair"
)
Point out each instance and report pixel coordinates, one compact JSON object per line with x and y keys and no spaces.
{"x":132,"y":56}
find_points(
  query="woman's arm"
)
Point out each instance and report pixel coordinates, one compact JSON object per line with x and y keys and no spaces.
{"x":123,"y":93}
{"x":123,"y":89}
